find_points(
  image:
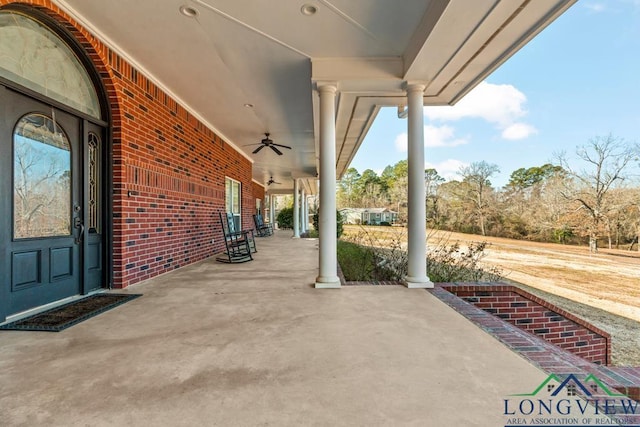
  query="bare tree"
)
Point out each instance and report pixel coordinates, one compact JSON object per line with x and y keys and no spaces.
{"x":477,"y":175}
{"x":607,"y":161}
{"x":41,"y":191}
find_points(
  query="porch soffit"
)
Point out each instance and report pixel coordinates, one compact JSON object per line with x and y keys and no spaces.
{"x":270,"y":54}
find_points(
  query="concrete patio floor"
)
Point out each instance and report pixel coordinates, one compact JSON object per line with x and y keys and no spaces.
{"x":256,"y":344}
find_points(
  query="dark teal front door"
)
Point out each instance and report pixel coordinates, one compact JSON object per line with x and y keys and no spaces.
{"x":46,"y":249}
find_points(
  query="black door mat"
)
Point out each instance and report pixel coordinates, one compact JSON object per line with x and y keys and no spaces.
{"x":64,"y":316}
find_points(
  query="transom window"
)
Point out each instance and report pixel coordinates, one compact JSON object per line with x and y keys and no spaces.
{"x":33,"y":56}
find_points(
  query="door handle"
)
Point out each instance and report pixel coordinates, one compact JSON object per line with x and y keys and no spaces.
{"x":78,"y":224}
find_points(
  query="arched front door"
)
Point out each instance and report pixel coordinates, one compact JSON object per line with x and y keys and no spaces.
{"x":51,"y":207}
{"x":52,"y":221}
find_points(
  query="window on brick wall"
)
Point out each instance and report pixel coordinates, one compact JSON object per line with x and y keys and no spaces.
{"x":232,"y":190}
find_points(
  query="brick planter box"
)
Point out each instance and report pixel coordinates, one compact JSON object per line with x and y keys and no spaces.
{"x":539,"y":317}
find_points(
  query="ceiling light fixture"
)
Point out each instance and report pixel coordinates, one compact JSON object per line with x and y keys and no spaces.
{"x":248,"y":105}
{"x":188,"y":11}
{"x":308,"y":9}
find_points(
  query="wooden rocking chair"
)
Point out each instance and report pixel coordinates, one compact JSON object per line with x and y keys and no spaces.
{"x":262,"y":228}
{"x":239,"y":244}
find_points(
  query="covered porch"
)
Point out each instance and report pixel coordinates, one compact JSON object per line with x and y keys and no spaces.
{"x":179,"y":100}
{"x":256,"y":344}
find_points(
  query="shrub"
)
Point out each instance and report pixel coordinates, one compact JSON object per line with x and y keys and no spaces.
{"x":451,"y":263}
{"x":385,"y":223}
{"x":361,"y":263}
{"x":285,"y":218}
{"x":561,"y":235}
{"x":340,"y":227}
{"x":384,"y":258}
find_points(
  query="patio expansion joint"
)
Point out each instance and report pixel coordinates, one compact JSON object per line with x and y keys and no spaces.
{"x":542,"y":354}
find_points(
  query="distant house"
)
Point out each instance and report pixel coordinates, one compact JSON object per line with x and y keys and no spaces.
{"x":368,"y":216}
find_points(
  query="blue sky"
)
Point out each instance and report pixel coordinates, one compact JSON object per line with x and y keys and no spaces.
{"x":578,"y":79}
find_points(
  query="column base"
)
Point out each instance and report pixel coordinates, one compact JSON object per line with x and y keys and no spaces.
{"x":417,"y":282}
{"x":328,"y":283}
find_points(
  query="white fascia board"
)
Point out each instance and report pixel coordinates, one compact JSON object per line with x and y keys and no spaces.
{"x":346,"y":69}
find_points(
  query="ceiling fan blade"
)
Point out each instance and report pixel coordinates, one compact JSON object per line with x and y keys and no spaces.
{"x":276,"y":150}
{"x":258,"y":149}
{"x":283,"y":146}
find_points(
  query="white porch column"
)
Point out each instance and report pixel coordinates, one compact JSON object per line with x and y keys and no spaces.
{"x":303,"y":222}
{"x":296,"y":209}
{"x":272,"y":208}
{"x":417,"y":213}
{"x":305,"y":210}
{"x":328,"y":271}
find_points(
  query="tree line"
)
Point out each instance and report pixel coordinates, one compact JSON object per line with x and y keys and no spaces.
{"x":597,"y":201}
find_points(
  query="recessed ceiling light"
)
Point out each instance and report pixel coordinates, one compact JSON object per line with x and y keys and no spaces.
{"x":308,"y":9}
{"x":248,"y":105}
{"x":188,"y":11}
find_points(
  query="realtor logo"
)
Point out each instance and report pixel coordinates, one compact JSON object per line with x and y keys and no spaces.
{"x":570,"y":401}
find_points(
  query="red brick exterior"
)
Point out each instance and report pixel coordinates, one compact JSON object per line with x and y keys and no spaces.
{"x":169,"y":169}
{"x":534,"y":315}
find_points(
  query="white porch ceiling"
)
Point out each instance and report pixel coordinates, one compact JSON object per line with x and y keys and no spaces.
{"x":269,"y":54}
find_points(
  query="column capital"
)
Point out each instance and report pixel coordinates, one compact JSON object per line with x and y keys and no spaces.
{"x":327,"y":86}
{"x":414,"y":86}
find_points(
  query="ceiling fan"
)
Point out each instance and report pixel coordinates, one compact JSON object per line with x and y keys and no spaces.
{"x":271,"y":181}
{"x":268,"y":142}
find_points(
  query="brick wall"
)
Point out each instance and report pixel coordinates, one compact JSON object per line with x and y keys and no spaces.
{"x":168,"y":169}
{"x":538,"y":317}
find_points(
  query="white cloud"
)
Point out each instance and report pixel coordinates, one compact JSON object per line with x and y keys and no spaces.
{"x":595,"y":7}
{"x":448,"y":169}
{"x":442,"y":136}
{"x":401,"y":142}
{"x":518,"y":131}
{"x":434,"y":136}
{"x":502,"y":105}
